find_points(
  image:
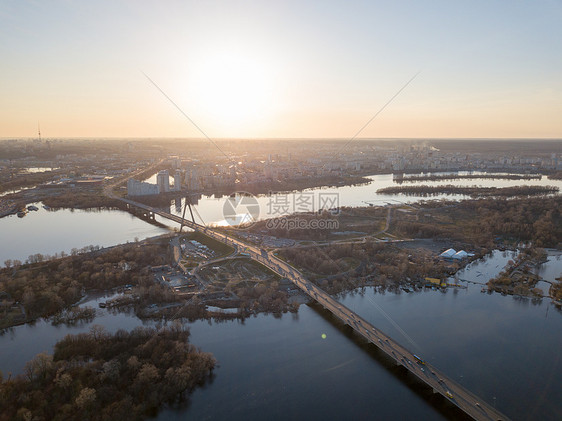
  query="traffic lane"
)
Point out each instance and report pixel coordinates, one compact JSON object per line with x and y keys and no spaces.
{"x":460,"y":397}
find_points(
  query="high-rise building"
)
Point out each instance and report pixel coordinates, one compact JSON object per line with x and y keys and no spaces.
{"x":192,"y":180}
{"x":163,"y":181}
{"x":177,"y":181}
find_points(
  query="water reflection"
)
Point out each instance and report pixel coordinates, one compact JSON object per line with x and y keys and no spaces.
{"x":50,"y":232}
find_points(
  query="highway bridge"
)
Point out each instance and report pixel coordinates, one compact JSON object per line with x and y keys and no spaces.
{"x":466,"y":401}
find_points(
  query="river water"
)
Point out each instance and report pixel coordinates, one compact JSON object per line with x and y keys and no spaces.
{"x":50,"y":232}
{"x":504,"y":349}
{"x":211,"y":209}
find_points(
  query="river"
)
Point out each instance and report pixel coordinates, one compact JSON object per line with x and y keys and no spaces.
{"x":504,"y":349}
{"x":50,"y":232}
{"x":211,"y":209}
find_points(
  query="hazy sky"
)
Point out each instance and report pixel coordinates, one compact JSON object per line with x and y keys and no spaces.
{"x":281,"y":69}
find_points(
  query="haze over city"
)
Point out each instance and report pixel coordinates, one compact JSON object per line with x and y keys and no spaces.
{"x":283,"y":69}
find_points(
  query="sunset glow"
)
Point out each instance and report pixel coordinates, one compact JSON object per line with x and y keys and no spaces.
{"x":252,"y":69}
{"x":233,"y":90}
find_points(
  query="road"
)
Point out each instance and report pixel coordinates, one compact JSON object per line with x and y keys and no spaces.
{"x":469,"y":403}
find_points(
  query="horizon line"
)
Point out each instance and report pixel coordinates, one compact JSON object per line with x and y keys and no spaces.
{"x":4,"y":138}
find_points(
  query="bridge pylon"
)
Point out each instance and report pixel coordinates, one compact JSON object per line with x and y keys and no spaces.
{"x":185,"y":206}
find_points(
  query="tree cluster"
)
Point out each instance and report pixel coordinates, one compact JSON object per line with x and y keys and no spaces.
{"x":45,"y":288}
{"x":442,"y":177}
{"x":379,"y":263}
{"x":287,"y":227}
{"x":518,"y":278}
{"x":261,"y":297}
{"x":474,"y":191}
{"x":81,"y":199}
{"x":11,"y":182}
{"x":556,"y":290}
{"x":537,"y":220}
{"x":99,"y":376}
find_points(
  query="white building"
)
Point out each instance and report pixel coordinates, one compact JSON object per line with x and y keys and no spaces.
{"x":448,"y":254}
{"x":140,"y":188}
{"x":460,"y":255}
{"x":163,"y":181}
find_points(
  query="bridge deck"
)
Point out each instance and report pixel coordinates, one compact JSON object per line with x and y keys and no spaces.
{"x":465,"y":400}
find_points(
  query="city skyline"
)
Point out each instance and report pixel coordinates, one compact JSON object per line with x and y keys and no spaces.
{"x":319,"y":70}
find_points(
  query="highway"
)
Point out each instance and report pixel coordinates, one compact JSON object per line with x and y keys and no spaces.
{"x":469,"y":403}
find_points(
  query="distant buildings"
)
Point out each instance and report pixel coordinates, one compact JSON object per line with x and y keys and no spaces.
{"x":200,"y":172}
{"x":142,"y":188}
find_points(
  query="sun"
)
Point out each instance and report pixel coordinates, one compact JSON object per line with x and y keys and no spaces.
{"x":232,"y":89}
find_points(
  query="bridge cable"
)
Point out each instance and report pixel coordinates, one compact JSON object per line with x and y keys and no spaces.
{"x":386,"y":104}
{"x":186,"y":116}
{"x":197,"y":212}
{"x":398,"y":328}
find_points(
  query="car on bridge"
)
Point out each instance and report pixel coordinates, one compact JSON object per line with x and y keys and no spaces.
{"x":419,"y":360}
